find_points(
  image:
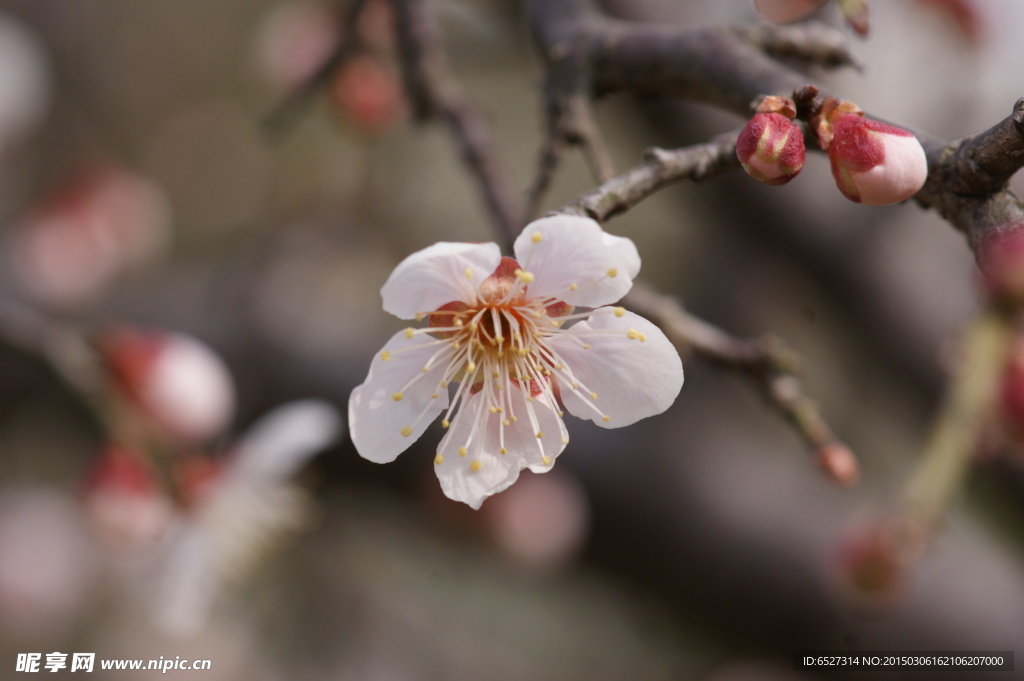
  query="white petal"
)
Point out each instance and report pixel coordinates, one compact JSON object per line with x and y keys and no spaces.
{"x":496,"y":471}
{"x":899,"y":176}
{"x":632,"y":379}
{"x":284,"y":439}
{"x":439,"y":274}
{"x":376,"y":421}
{"x":576,"y":261}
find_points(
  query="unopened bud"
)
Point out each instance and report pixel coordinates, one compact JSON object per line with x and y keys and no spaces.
{"x":771,"y":148}
{"x":839,"y":463}
{"x":786,"y":11}
{"x":177,"y":382}
{"x":1001,"y":261}
{"x":368,"y":92}
{"x":872,"y":162}
{"x":874,"y":560}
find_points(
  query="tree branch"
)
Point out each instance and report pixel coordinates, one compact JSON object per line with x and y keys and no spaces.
{"x":435,"y":92}
{"x":766,"y":362}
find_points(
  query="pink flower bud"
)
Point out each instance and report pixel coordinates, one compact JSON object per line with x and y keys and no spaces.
{"x":786,"y":11}
{"x":771,"y":148}
{"x":875,"y":163}
{"x":1001,"y":261}
{"x":183,"y":388}
{"x":369,"y":94}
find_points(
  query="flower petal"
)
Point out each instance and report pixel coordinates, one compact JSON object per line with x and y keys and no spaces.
{"x":572,"y":259}
{"x":438,"y":274}
{"x":470,"y":464}
{"x":633,"y":378}
{"x":383,"y":427}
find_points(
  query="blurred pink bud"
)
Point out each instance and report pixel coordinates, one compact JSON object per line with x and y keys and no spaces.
{"x":964,"y":14}
{"x":183,"y":388}
{"x":96,"y":226}
{"x":856,"y":14}
{"x":1001,"y":262}
{"x":125,"y":503}
{"x":541,"y":522}
{"x":786,"y":11}
{"x":874,"y":559}
{"x":839,"y":463}
{"x":368,"y":92}
{"x":294,"y":41}
{"x":771,"y":148}
{"x":872,"y":162}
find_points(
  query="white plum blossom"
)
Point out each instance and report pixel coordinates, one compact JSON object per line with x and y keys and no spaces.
{"x":504,"y":346}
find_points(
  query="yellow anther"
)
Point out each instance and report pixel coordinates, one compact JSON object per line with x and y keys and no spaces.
{"x":445,"y":423}
{"x":435,"y":396}
{"x":612,"y":272}
{"x":385,"y":355}
{"x":471,"y":367}
{"x":501,"y":353}
{"x":561,"y":414}
{"x":476,"y":465}
{"x":620,"y":312}
{"x":514,"y":419}
{"x":586,"y":346}
{"x":492,"y":409}
{"x":506,"y":422}
{"x":546,"y":459}
{"x":524,"y":277}
{"x":593,"y":396}
{"x":607,"y":418}
{"x":463,"y":451}
{"x":456,"y":344}
{"x":410,"y":332}
{"x":529,"y":399}
{"x":426,"y":370}
{"x":632,"y":334}
{"x":565,"y":440}
{"x":573,"y":286}
{"x":522,"y":352}
{"x":555,"y":323}
{"x":419,"y":316}
{"x":469,"y":273}
{"x":443,"y":384}
{"x":575,"y":385}
{"x":499,"y":339}
{"x":536,"y":238}
{"x":500,"y":410}
{"x":539,"y":434}
{"x":503,"y":450}
{"x":438,"y":460}
{"x":406,"y":431}
{"x":643,"y":338}
{"x":495,"y":374}
{"x":397,"y":397}
{"x":458,"y":322}
{"x":473,"y":326}
{"x":499,"y":386}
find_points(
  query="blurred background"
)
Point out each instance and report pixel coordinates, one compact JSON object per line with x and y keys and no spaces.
{"x":151,"y":224}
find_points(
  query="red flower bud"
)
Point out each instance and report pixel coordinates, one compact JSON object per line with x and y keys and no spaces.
{"x":1001,"y":261}
{"x":183,"y":388}
{"x":873,"y":162}
{"x":786,"y":11}
{"x":771,"y":148}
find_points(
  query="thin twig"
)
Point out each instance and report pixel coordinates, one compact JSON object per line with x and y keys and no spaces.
{"x":659,"y":168}
{"x":766,"y":361}
{"x":435,"y":92}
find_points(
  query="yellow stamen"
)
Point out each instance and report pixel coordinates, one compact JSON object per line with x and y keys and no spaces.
{"x":620,"y":312}
{"x":406,"y":431}
{"x":385,"y":355}
{"x":536,"y":238}
{"x":397,"y":397}
{"x":475,"y":466}
{"x":612,"y":272}
{"x":438,"y":460}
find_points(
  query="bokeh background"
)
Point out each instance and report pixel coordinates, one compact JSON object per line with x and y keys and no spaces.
{"x":700,"y":544}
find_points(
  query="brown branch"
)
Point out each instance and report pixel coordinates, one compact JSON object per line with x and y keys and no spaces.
{"x":766,"y":361}
{"x":659,"y":168}
{"x":436,"y":93}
